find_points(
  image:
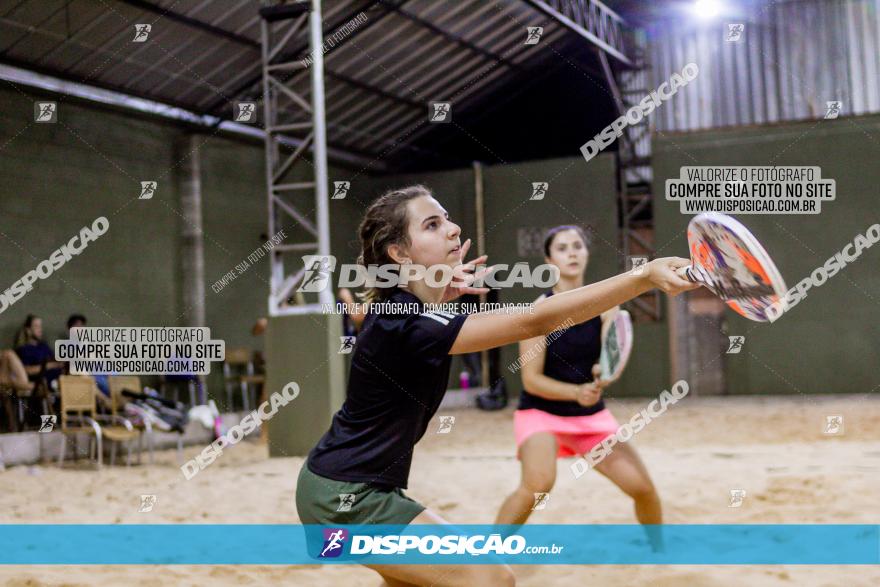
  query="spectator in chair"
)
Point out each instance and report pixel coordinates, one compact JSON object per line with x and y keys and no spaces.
{"x":36,"y":356}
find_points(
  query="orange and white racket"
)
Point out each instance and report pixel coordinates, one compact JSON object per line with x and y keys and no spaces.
{"x":728,"y":260}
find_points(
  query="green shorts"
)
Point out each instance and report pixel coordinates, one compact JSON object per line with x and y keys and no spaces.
{"x":328,"y":502}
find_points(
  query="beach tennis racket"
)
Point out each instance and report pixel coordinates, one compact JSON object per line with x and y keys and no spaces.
{"x":728,"y":260}
{"x":617,"y":343}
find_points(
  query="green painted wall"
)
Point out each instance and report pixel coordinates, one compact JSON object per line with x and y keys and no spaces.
{"x":60,"y":177}
{"x":828,"y":342}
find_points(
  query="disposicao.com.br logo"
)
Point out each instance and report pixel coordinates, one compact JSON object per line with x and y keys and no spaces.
{"x":319,"y":269}
{"x":447,"y":544}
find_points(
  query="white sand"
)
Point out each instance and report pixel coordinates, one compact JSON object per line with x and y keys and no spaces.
{"x":698,"y":451}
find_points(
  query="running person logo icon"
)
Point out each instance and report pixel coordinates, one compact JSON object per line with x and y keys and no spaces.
{"x":541,"y":500}
{"x":317,"y":275}
{"x":736,"y":344}
{"x":734,"y":32}
{"x":534,"y":35}
{"x":833,"y":425}
{"x":737,"y":496}
{"x":638,"y":264}
{"x":148,"y":188}
{"x":539,"y":190}
{"x":147,"y":503}
{"x":346,"y":502}
{"x":832,"y":109}
{"x":45,"y":112}
{"x":440,"y":112}
{"x":141,"y":32}
{"x":245,"y":112}
{"x":334,"y":541}
{"x":340,"y":190}
{"x":47,"y":422}
{"x":446,"y":423}
{"x":347,"y":344}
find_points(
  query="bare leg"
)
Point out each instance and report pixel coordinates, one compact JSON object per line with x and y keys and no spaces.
{"x":444,"y":575}
{"x":538,"y":458}
{"x":12,"y":372}
{"x":626,"y":470}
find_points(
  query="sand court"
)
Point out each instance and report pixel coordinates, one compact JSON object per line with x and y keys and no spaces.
{"x":773,"y":448}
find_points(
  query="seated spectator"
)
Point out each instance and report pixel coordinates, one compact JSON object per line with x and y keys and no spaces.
{"x":79,"y":321}
{"x":36,"y":356}
{"x":75,"y":321}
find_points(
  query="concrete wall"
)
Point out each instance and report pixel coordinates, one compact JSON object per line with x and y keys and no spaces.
{"x":828,"y":342}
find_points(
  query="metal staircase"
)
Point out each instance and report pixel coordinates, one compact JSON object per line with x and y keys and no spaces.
{"x":628,"y":82}
{"x":628,"y":85}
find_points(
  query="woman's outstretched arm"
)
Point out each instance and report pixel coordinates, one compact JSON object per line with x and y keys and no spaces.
{"x":488,"y":330}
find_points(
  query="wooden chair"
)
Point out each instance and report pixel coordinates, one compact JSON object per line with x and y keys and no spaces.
{"x":238,"y":369}
{"x":119,"y":383}
{"x":78,"y":394}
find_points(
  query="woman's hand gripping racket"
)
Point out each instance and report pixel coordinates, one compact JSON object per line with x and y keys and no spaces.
{"x":728,"y":260}
{"x":617,"y":343}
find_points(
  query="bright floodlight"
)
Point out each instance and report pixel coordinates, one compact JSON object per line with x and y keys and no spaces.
{"x":707,"y":8}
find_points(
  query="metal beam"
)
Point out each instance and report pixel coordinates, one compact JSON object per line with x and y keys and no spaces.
{"x":289,"y":56}
{"x":111,"y":97}
{"x":601,"y":25}
{"x":192,"y":22}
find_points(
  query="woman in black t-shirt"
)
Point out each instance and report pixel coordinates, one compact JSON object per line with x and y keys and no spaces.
{"x":400,"y":366}
{"x":561,"y":412}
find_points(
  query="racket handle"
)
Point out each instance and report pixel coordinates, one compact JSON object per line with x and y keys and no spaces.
{"x":687,"y":273}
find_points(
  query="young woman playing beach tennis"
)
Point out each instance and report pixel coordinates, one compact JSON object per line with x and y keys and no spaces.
{"x":400,"y":368}
{"x":561,"y":412}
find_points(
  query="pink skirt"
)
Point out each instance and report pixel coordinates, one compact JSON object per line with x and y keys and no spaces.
{"x":575,"y":435}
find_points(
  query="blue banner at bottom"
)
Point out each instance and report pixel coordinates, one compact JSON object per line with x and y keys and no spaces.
{"x":280,"y":544}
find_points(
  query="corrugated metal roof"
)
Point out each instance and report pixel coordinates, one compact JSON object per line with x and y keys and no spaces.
{"x":792,"y":58}
{"x":204,"y":55}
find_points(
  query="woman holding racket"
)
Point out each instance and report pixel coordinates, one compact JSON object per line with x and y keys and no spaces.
{"x":400,"y":367}
{"x":561,"y":412}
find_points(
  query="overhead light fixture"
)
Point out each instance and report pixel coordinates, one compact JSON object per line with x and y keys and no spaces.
{"x":707,"y":9}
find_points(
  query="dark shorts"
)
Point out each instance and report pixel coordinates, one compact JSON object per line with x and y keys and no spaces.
{"x":328,"y":502}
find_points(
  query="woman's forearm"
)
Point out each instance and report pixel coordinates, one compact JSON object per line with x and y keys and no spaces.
{"x":549,"y":388}
{"x":581,"y":304}
{"x":487,"y":330}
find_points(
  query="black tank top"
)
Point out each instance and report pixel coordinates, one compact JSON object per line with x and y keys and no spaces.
{"x":569,"y":357}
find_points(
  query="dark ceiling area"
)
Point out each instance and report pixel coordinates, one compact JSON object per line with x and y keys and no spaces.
{"x":203,"y":56}
{"x":545,"y":114}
